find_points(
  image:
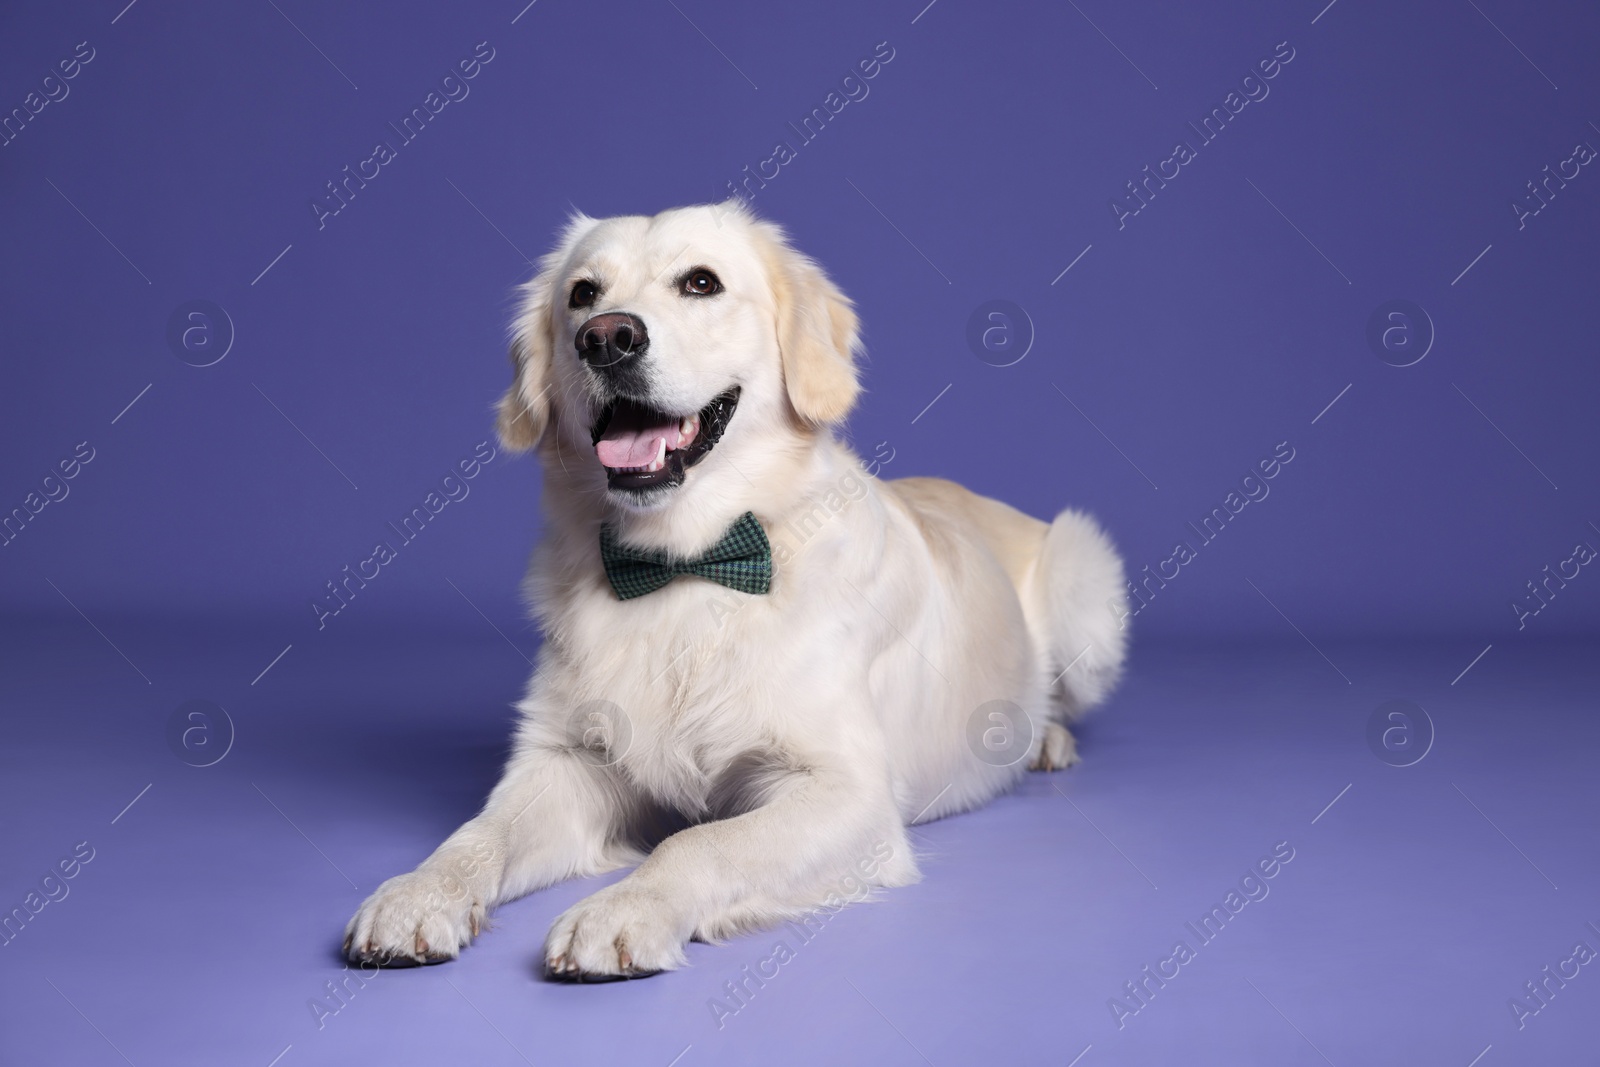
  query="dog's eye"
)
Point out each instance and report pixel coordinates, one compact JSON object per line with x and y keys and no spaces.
{"x":701,"y":282}
{"x":583,"y":294}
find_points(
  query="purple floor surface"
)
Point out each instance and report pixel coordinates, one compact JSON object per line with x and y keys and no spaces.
{"x":1418,"y":902}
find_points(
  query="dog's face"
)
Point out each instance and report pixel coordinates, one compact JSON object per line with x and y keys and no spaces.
{"x":645,"y":342}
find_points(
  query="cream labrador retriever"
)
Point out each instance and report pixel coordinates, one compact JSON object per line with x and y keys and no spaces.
{"x":744,"y":632}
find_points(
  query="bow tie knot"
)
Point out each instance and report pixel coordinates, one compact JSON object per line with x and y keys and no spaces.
{"x":740,"y":560}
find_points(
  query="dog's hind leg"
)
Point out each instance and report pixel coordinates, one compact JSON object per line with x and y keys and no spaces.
{"x":1058,"y":749}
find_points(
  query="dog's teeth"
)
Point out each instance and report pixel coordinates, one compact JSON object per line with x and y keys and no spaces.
{"x":661,"y":456}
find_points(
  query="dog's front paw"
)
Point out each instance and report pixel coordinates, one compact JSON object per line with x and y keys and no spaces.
{"x":416,"y":918}
{"x":620,"y":932}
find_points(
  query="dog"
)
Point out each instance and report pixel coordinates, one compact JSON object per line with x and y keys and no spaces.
{"x":760,"y":664}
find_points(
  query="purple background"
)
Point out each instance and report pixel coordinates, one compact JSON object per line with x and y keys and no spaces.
{"x":1207,"y":330}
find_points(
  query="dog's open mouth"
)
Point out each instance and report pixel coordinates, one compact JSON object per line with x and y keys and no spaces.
{"x":642,"y":447}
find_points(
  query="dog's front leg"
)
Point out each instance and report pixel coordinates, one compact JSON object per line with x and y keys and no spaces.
{"x":553,"y":815}
{"x":825,"y":831}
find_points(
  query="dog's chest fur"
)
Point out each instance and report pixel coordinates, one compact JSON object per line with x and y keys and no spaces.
{"x":691,"y":670}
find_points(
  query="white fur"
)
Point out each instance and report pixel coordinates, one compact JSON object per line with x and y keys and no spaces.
{"x":799,"y":732}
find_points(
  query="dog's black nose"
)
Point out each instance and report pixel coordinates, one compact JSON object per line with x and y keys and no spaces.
{"x":612,"y":340}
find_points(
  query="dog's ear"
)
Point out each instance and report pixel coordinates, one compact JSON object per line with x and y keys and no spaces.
{"x":523,"y":414}
{"x":818,"y":335}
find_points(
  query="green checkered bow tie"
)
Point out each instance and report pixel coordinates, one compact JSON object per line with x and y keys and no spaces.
{"x":741,"y":560}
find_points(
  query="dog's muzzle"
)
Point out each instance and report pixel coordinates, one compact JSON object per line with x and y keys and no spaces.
{"x":642,"y":447}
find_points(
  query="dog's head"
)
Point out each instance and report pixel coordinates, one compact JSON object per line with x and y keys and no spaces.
{"x":645,"y":342}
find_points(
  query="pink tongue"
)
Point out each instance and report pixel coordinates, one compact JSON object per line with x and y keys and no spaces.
{"x":635,"y":446}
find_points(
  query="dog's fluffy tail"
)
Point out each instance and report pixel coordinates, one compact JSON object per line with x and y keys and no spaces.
{"x":1082,"y":600}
